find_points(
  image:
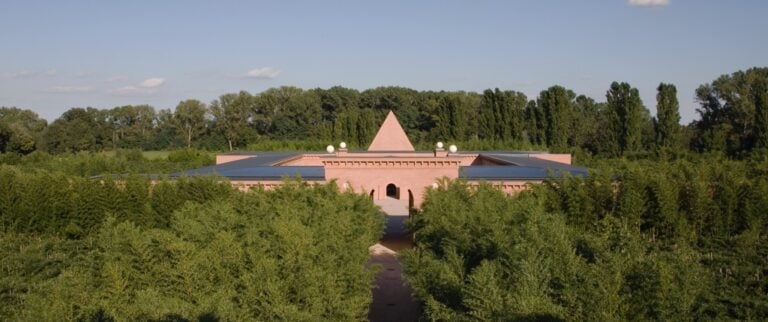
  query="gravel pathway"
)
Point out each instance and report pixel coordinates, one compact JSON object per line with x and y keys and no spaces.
{"x":392,"y":299}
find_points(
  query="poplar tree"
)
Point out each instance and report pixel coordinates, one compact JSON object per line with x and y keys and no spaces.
{"x":345,"y":126}
{"x":625,"y":105}
{"x":450,"y":120}
{"x":583,"y":125}
{"x":488,"y":117}
{"x":366,"y":127}
{"x":514,"y":106}
{"x":667,"y":122}
{"x":442,"y":119}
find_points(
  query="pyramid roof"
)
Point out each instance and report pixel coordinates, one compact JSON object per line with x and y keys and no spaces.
{"x":391,"y":136}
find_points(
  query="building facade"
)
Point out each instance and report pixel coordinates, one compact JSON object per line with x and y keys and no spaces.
{"x":391,"y":167}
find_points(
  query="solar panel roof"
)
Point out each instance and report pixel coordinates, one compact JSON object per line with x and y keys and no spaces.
{"x":524,"y":160}
{"x":259,"y":167}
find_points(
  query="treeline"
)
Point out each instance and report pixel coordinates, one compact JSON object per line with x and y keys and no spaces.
{"x":733,"y":119}
{"x":633,"y":241}
{"x":182,"y":250}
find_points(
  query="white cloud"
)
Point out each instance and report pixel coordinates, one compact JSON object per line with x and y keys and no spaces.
{"x":152,"y":82}
{"x":70,"y":89}
{"x":148,"y":86}
{"x":263,"y":73}
{"x":648,"y":3}
{"x":128,"y":90}
{"x":116,"y":79}
{"x":31,"y":73}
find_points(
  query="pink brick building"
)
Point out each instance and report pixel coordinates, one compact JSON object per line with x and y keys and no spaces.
{"x":391,"y":167}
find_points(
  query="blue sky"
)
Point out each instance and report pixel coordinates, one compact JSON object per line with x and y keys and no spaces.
{"x":55,"y":55}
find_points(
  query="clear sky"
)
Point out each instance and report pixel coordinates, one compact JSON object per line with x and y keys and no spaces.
{"x":55,"y":55}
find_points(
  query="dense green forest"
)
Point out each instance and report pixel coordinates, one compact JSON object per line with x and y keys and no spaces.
{"x":733,"y":119}
{"x":671,"y":223}
{"x":670,"y":241}
{"x":122,"y":161}
{"x":191,"y":249}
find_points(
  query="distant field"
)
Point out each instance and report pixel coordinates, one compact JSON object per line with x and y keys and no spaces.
{"x":153,"y":155}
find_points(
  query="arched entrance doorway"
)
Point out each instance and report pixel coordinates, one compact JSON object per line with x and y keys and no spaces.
{"x":392,"y":191}
{"x":372,"y":191}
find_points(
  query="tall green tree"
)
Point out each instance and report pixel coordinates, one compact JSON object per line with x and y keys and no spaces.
{"x":166,"y":133}
{"x":345,"y":126}
{"x":667,"y":122}
{"x":501,"y":114}
{"x":366,"y":127}
{"x":403,"y":101}
{"x":535,"y":125}
{"x":232,"y":113}
{"x":488,"y":118}
{"x":335,"y":99}
{"x":78,"y":129}
{"x":294,"y":113}
{"x":557,"y":105}
{"x":22,"y":130}
{"x":5,"y":136}
{"x":511,"y":107}
{"x":130,"y":124}
{"x":760,"y":97}
{"x":451,"y":116}
{"x":627,"y":111}
{"x":189,"y":119}
{"x":584,"y":123}
{"x":728,"y":111}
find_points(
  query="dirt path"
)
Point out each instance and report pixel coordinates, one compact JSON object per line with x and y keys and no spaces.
{"x":392,"y":300}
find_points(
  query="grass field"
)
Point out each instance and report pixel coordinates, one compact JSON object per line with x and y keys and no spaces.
{"x":153,"y":155}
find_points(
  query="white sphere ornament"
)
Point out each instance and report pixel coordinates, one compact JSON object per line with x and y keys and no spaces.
{"x":330,"y":149}
{"x":453,"y":148}
{"x":439,"y":145}
{"x":342,"y":145}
